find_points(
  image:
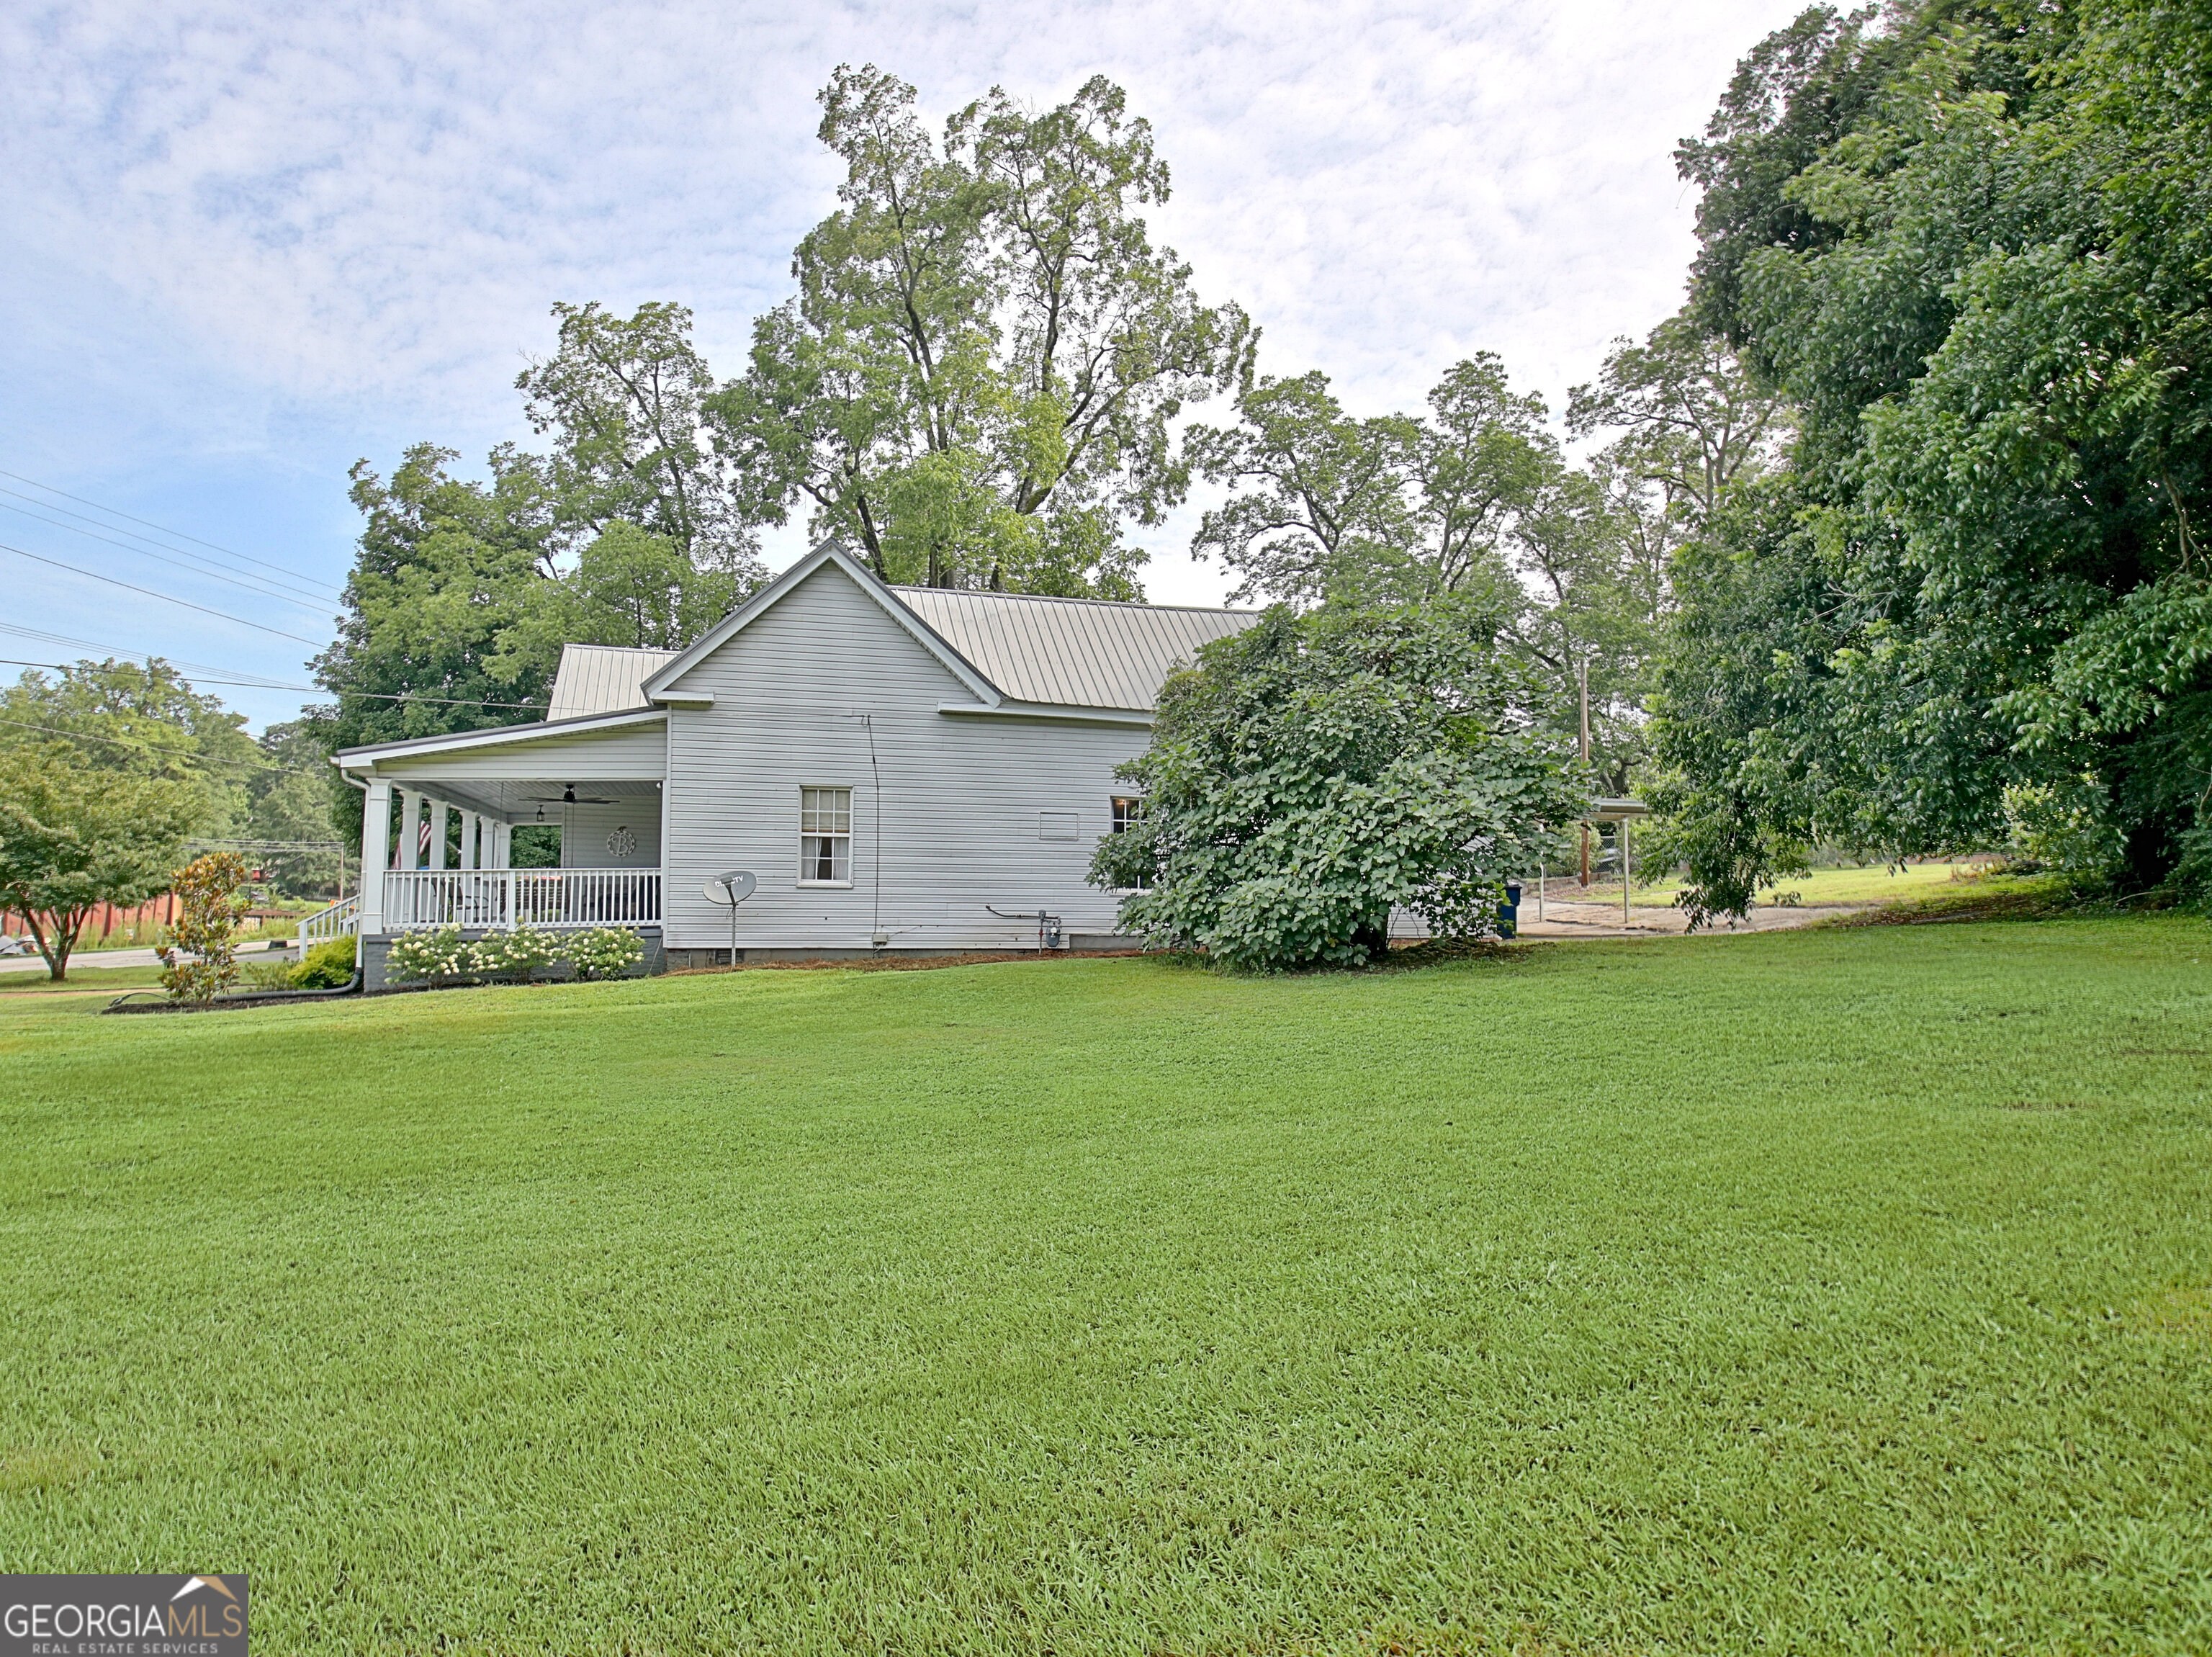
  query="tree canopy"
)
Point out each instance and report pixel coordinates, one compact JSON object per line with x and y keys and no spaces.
{"x":1969,"y":244}
{"x":976,"y":382}
{"x":75,"y":835}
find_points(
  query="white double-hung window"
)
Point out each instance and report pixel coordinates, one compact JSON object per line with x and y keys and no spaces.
{"x":825,"y":837}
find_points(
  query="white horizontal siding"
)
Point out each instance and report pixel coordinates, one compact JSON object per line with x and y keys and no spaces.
{"x":958,"y":804}
{"x":585,"y":828}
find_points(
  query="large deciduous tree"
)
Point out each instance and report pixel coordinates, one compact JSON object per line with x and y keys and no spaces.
{"x":1325,"y":505}
{"x":1316,"y":772}
{"x":441,"y":627}
{"x":1971,"y":245}
{"x":976,"y":382}
{"x":624,"y":400}
{"x":73,"y":837}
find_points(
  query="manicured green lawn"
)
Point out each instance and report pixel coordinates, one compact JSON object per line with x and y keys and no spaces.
{"x":82,"y":980}
{"x":1877,"y":885}
{"x":1837,"y":1290}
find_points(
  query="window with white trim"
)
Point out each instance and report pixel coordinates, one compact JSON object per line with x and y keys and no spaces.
{"x":1126,"y":810}
{"x":825,"y":837}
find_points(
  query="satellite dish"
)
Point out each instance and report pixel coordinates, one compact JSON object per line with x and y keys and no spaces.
{"x":733,"y":888}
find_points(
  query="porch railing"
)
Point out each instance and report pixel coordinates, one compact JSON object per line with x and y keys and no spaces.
{"x":503,"y":897}
{"x":340,"y":920}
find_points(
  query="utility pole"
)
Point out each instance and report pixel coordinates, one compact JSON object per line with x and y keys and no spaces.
{"x":1582,"y":673}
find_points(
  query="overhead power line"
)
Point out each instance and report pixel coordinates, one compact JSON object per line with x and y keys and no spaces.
{"x":310,"y":689}
{"x":171,"y":598}
{"x":259,"y":586}
{"x":114,"y":513}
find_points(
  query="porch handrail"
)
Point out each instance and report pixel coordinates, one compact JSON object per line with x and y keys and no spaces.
{"x":491,"y":898}
{"x":339,"y":920}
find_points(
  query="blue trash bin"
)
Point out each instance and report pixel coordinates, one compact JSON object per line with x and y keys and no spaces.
{"x":1509,"y":912}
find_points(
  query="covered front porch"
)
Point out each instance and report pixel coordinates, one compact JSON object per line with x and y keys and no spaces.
{"x":441,"y":817}
{"x":450,"y":854}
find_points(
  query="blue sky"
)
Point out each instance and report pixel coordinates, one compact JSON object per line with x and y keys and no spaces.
{"x":250,"y":245}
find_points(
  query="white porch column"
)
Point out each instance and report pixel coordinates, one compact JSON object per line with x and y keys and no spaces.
{"x":440,"y":813}
{"x":375,"y":836}
{"x":503,"y":839}
{"x":469,"y":821}
{"x":410,"y":829}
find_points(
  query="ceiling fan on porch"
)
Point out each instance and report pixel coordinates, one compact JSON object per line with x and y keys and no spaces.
{"x":569,"y":796}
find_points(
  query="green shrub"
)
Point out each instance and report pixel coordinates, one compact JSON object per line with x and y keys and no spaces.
{"x":266,"y":975}
{"x":328,"y":965}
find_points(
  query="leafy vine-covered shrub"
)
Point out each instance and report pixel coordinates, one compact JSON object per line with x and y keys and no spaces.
{"x":604,"y":952}
{"x":1312,"y":773}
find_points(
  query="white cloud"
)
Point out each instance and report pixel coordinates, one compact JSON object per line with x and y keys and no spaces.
{"x":267,"y":237}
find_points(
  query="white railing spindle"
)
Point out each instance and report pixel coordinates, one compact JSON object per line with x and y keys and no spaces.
{"x":506,"y":897}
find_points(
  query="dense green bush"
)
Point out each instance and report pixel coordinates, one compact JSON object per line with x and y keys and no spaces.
{"x":1315,"y":772}
{"x":328,"y":965}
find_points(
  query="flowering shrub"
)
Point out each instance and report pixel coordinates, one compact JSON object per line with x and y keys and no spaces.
{"x":438,"y":955}
{"x":513,"y":955}
{"x":431,"y":953}
{"x":604,"y":952}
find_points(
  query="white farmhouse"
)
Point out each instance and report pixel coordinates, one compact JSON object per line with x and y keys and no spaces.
{"x":902,"y":769}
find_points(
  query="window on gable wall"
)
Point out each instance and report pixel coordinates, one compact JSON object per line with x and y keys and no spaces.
{"x":825,"y":837}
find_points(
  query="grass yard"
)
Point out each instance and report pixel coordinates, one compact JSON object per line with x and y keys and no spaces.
{"x":106,"y":981}
{"x":1812,"y":1291}
{"x":1876,"y":885}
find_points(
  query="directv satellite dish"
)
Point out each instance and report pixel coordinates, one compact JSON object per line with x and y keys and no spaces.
{"x":733,"y":887}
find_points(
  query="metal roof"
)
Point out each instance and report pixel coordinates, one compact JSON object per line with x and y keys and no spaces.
{"x":603,"y":679}
{"x":1075,"y":653}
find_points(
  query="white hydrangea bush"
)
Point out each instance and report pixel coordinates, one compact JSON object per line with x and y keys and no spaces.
{"x":515,"y":954}
{"x":430,"y":954}
{"x":438,"y":955}
{"x":604,"y":952}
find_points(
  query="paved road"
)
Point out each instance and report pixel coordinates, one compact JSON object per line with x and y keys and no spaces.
{"x":34,"y":963}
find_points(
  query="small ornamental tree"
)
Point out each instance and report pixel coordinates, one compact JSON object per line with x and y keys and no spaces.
{"x":200,"y":961}
{"x":73,"y":838}
{"x":1313,"y":773}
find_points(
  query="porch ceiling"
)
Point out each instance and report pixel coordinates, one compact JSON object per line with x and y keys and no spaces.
{"x":516,"y":800}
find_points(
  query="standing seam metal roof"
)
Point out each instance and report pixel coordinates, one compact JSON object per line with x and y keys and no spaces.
{"x":1072,"y":652}
{"x":603,"y":679}
{"x":1078,"y":653}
